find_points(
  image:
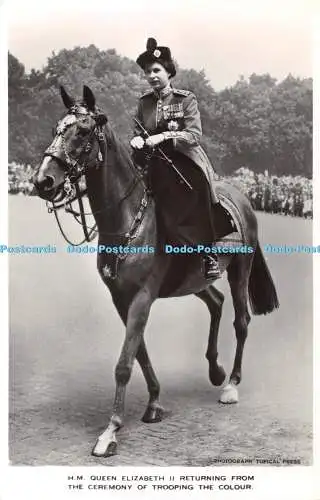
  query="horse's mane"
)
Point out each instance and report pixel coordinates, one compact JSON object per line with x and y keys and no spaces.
{"x":121,"y":150}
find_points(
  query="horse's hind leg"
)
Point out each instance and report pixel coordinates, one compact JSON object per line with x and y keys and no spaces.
{"x":214,"y":300}
{"x":238,"y":277}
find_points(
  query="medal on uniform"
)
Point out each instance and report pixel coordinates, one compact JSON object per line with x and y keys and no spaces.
{"x":173,"y":126}
{"x":173,"y":111}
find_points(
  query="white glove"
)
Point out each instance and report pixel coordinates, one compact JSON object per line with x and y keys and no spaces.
{"x":137,"y":142}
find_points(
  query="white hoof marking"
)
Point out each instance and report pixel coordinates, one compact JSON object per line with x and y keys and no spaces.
{"x":103,"y":441}
{"x":229,"y":394}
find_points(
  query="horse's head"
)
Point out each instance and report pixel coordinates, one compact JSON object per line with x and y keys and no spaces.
{"x":78,"y":142}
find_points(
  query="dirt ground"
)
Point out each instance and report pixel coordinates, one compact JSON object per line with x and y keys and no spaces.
{"x":65,"y":337}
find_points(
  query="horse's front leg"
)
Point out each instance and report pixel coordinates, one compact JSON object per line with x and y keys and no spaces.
{"x":137,"y":317}
{"x":154,"y":411}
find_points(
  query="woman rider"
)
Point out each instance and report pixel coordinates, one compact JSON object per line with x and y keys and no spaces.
{"x":169,"y":118}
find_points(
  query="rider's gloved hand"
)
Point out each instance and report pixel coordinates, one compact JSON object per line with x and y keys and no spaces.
{"x":154,"y":140}
{"x":137,"y":142}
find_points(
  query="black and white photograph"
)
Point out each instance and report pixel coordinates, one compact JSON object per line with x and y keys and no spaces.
{"x":161,"y":246}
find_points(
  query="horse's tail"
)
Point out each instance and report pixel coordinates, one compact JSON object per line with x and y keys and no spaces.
{"x":262,"y":292}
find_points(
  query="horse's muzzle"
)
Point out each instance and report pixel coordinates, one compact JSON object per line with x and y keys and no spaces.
{"x":45,"y":187}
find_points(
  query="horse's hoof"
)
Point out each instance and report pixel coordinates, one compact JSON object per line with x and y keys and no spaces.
{"x":99,"y":451}
{"x":152,"y":415}
{"x":217,"y":375}
{"x":229,"y":395}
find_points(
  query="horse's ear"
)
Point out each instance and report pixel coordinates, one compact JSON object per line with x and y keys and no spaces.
{"x":67,"y":100}
{"x":88,"y":98}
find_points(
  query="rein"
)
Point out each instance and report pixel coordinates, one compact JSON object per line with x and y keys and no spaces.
{"x":89,"y":233}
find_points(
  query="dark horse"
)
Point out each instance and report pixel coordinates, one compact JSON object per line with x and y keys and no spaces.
{"x":84,"y":144}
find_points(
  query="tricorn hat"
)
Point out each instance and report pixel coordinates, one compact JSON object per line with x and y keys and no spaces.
{"x":154,"y":53}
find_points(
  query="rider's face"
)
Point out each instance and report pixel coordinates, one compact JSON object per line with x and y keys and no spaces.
{"x":157,"y":76}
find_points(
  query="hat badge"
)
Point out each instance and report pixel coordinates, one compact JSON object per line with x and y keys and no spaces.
{"x":157,"y":53}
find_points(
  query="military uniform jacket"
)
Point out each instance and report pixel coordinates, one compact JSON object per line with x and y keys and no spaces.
{"x":175,"y":113}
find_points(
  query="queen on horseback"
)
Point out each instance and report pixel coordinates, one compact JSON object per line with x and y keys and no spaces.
{"x":84,"y":144}
{"x":168,"y":117}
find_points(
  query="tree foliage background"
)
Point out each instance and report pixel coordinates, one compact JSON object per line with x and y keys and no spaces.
{"x":258,"y":123}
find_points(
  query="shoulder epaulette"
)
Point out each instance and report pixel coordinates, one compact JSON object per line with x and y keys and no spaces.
{"x":149,"y":92}
{"x":182,"y":92}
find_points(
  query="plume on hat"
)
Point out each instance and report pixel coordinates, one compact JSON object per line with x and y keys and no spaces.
{"x":151,"y":44}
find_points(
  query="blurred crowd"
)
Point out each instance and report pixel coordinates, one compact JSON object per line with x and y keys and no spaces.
{"x":286,"y":195}
{"x":19,"y":179}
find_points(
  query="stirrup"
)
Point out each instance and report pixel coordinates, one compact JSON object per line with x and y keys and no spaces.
{"x":211,"y":268}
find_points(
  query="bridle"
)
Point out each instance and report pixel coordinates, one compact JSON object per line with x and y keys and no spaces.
{"x":76,"y":168}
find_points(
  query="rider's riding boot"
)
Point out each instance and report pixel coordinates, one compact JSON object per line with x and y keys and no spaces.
{"x":211,"y":267}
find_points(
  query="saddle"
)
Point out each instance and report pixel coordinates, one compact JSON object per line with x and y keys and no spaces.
{"x":220,"y":208}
